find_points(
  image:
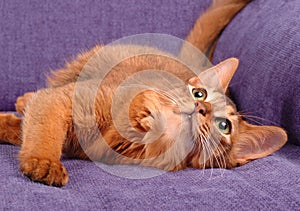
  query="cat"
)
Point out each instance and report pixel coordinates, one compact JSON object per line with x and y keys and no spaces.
{"x":188,"y":125}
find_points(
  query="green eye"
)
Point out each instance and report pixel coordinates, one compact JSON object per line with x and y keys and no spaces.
{"x":199,"y":94}
{"x":224,"y":125}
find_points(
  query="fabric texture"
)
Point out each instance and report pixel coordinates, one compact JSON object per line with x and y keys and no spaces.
{"x":271,"y":183}
{"x":37,"y":36}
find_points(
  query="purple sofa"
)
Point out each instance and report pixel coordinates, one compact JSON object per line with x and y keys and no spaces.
{"x":37,"y":36}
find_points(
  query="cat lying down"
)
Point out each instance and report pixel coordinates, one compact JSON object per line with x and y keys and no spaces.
{"x":180,"y":125}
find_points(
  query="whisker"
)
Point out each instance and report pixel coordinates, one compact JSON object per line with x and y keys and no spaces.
{"x":251,"y":117}
{"x":211,"y":157}
{"x":246,"y":112}
{"x":216,"y":146}
{"x":209,"y":150}
{"x":203,"y":146}
{"x":220,"y":150}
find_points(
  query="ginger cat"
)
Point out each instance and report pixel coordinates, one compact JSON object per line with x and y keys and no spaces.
{"x":190,"y":125}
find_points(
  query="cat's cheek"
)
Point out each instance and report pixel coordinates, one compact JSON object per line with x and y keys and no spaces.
{"x":175,"y":126}
{"x":203,"y":124}
{"x":225,"y":140}
{"x":222,"y":138}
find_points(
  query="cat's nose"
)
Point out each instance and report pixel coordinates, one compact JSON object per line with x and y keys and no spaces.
{"x":201,"y":107}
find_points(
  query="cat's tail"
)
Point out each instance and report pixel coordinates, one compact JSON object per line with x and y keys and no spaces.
{"x":209,"y":25}
{"x":10,"y":129}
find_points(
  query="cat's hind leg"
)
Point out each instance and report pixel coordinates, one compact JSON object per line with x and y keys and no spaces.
{"x":10,"y":129}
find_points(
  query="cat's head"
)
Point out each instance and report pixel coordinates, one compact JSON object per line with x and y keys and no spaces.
{"x":238,"y":141}
{"x":205,"y":122}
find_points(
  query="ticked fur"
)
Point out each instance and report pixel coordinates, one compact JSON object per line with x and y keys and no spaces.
{"x":170,"y":130}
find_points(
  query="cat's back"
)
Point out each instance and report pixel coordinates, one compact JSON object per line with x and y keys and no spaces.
{"x":113,"y":64}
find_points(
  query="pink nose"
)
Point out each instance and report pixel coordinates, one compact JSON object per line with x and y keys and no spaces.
{"x":201,"y":108}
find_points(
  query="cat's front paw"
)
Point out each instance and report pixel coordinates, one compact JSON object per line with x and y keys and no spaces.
{"x":45,"y":171}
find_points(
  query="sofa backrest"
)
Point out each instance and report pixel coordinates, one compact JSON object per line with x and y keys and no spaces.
{"x":39,"y":36}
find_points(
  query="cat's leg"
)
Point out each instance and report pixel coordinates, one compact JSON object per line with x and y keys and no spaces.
{"x":45,"y":125}
{"x":10,"y":129}
{"x":11,"y":125}
{"x":22,"y":101}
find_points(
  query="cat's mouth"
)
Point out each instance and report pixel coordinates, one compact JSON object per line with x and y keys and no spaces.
{"x":189,"y":119}
{"x":195,"y":120}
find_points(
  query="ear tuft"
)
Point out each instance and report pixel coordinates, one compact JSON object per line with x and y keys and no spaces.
{"x":255,"y":142}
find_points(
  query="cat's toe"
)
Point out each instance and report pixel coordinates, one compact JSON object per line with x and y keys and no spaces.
{"x":22,"y":101}
{"x":20,"y":105}
{"x":51,"y":173}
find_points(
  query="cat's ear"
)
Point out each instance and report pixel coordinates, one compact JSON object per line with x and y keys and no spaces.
{"x":221,"y":74}
{"x":255,"y":142}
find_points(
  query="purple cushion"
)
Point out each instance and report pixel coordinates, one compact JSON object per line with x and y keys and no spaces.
{"x":266,"y":39}
{"x":36,"y":37}
{"x":271,"y":183}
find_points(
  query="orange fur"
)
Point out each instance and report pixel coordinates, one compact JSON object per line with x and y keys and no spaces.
{"x":208,"y":27}
{"x":10,"y":129}
{"x":22,"y":101}
{"x":165,"y":130}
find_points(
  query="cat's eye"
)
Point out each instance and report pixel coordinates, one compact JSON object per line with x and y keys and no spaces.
{"x":199,"y":94}
{"x":224,"y":125}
